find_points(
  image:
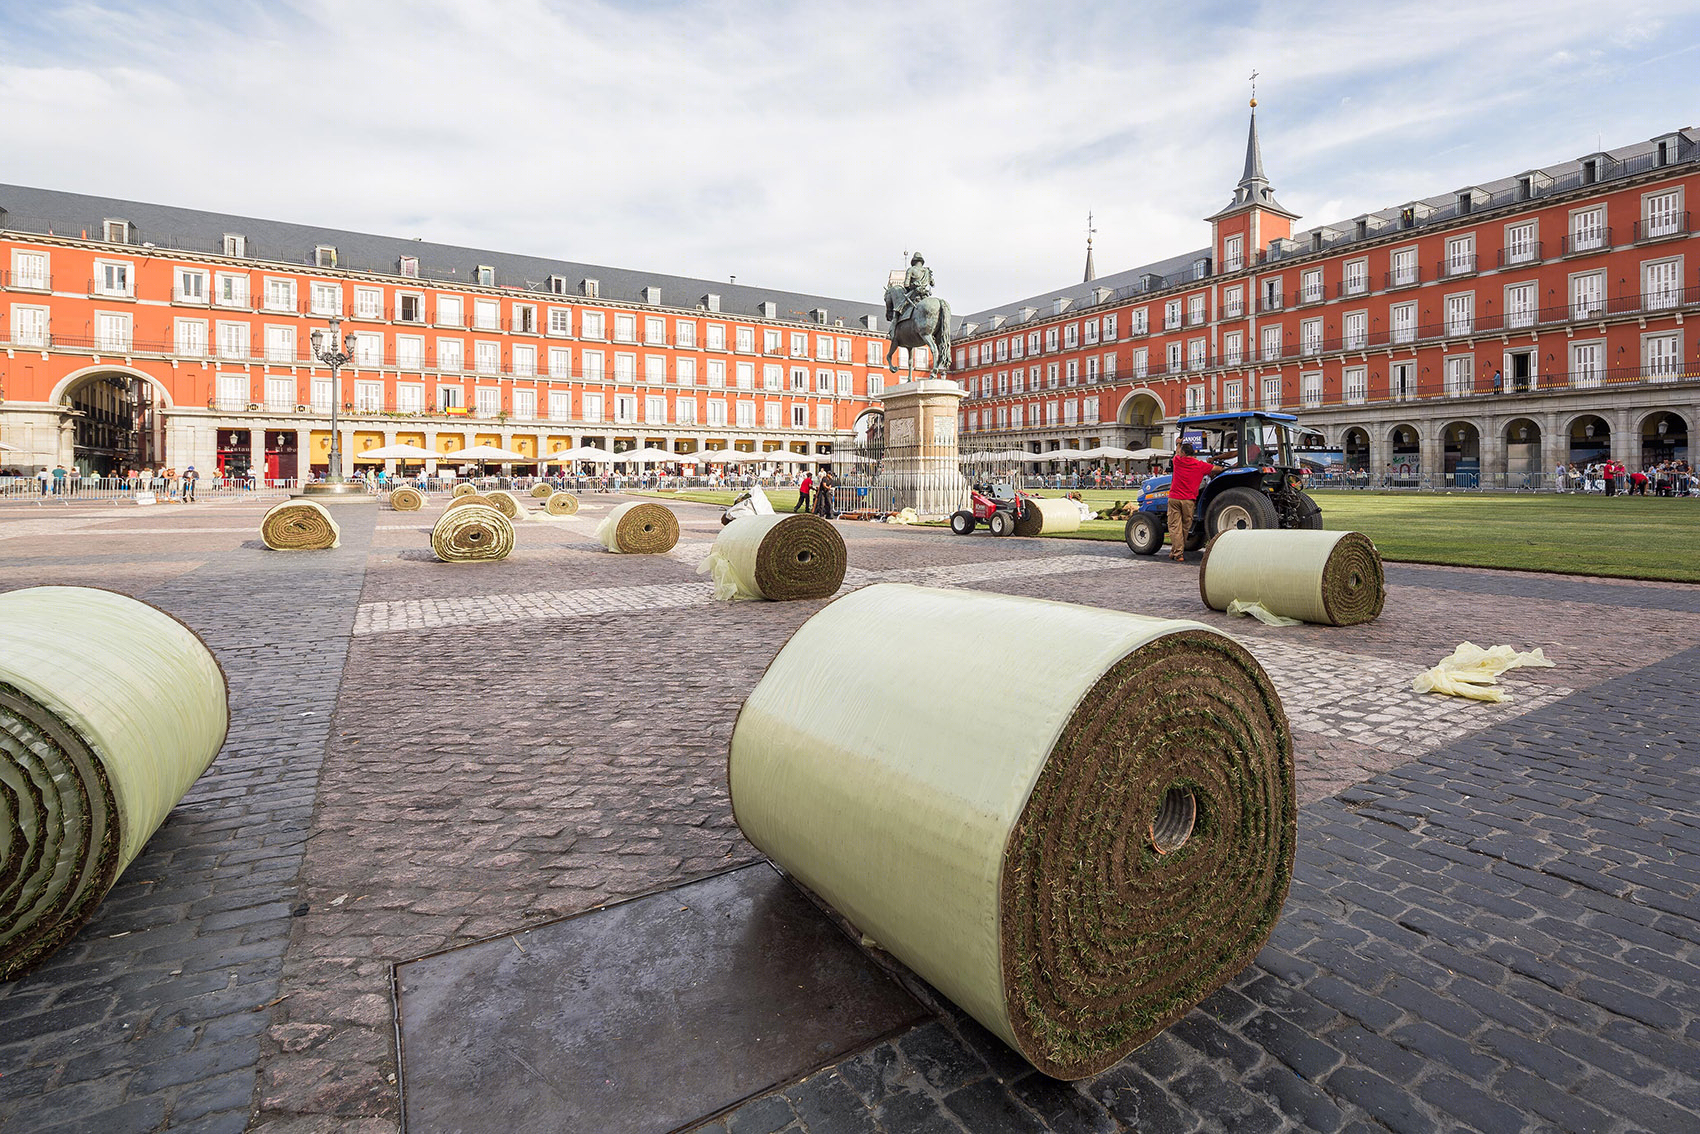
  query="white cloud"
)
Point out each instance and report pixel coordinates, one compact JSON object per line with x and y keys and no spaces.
{"x":808,"y":146}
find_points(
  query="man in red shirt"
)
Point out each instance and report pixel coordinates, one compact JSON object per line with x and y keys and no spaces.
{"x":1188,"y":473}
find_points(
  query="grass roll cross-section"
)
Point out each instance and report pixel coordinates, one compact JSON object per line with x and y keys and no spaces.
{"x":561,"y":504}
{"x":1334,"y":578}
{"x":472,"y":534}
{"x":1076,"y":866}
{"x":299,"y":525}
{"x":639,"y":528}
{"x":778,"y":557}
{"x":109,"y":710}
{"x":406,"y":499}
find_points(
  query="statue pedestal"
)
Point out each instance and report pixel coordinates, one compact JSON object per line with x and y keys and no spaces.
{"x":920,"y":459}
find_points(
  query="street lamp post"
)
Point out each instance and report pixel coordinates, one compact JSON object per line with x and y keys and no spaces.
{"x":336,"y":351}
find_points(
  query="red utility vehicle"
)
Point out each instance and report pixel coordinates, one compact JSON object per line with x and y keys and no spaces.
{"x":995,"y":505}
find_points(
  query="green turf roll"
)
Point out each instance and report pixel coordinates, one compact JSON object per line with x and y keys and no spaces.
{"x":1334,"y":578}
{"x":465,"y":488}
{"x":777,"y":557}
{"x":471,"y":534}
{"x":109,"y":711}
{"x":299,"y":525}
{"x":406,"y":499}
{"x":541,"y":490}
{"x":506,"y":503}
{"x":561,"y":504}
{"x":1044,"y":515}
{"x":463,"y":499}
{"x":1075,"y":869}
{"x":639,"y":528}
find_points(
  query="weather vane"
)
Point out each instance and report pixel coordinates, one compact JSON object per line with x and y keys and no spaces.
{"x":1089,"y":229}
{"x":1254,"y":87}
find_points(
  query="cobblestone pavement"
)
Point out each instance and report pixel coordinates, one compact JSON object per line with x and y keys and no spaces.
{"x":1494,"y":922}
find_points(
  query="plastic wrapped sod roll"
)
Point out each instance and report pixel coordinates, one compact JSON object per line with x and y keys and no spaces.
{"x":109,"y":711}
{"x":472,"y":534}
{"x":639,"y":529}
{"x":1044,"y":516}
{"x":1329,"y":577}
{"x":1077,"y":870}
{"x":406,"y":499}
{"x":504,"y":502}
{"x":299,"y":525}
{"x":463,"y":499}
{"x":561,"y":504}
{"x":540,"y":490}
{"x":465,"y":489}
{"x":776,"y":557}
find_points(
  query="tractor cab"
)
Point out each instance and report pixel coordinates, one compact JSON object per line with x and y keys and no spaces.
{"x":1261,"y":487}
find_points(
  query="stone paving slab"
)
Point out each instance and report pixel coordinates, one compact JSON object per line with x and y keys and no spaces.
{"x":1493,"y":924}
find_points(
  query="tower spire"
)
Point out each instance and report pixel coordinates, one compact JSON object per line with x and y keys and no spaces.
{"x":1091,"y":272}
{"x":1254,"y":188}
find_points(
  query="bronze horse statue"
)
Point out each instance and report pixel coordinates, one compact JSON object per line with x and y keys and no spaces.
{"x":927,"y":325}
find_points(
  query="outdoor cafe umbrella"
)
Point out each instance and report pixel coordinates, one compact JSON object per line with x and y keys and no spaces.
{"x":1109,"y":453}
{"x":1149,"y":454}
{"x":483,"y":453}
{"x":1053,"y":455}
{"x":645,"y":456}
{"x":400,"y":452}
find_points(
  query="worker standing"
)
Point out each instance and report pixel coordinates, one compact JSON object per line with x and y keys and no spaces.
{"x":1187,"y":476}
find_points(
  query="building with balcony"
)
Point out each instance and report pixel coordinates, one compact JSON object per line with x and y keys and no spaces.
{"x":139,"y":334}
{"x":1486,"y":335}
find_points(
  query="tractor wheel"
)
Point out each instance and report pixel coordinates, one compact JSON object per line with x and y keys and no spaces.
{"x":1310,"y":512}
{"x":1002,"y":523}
{"x":1240,"y":508}
{"x":961,"y":523}
{"x":1144,"y":533}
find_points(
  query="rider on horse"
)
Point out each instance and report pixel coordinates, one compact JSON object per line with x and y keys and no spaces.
{"x":918,"y":318}
{"x":917,"y":283}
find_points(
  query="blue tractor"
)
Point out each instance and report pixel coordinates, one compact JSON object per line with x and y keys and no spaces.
{"x":1261,"y":488}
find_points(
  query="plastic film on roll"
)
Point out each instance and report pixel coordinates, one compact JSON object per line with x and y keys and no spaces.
{"x":472,"y":534}
{"x":639,"y":528}
{"x":778,"y":557}
{"x":299,"y":525}
{"x":1046,"y":516}
{"x":1076,"y":873}
{"x":1334,"y":578}
{"x":109,"y":711}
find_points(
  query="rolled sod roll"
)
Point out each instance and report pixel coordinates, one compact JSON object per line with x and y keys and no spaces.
{"x":540,"y":490}
{"x":461,"y":500}
{"x":406,"y":499}
{"x":561,"y":504}
{"x":299,"y":525}
{"x":776,"y":557}
{"x":109,"y":711}
{"x":465,"y":488}
{"x":639,"y":528}
{"x":504,"y":502}
{"x":472,"y":534}
{"x":1330,"y":577}
{"x":1075,"y":869}
{"x":1043,"y":516}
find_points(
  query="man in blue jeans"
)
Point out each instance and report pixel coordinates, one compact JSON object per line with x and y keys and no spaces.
{"x":1188,"y":473}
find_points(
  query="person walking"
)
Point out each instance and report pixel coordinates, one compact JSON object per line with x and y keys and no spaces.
{"x":803,"y":488}
{"x":1188,"y":477}
{"x":190,"y":476}
{"x":45,"y":476}
{"x":823,"y":495}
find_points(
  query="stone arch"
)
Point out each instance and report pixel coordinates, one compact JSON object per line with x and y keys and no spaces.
{"x":1523,"y":444}
{"x":1461,"y":453}
{"x":1664,"y":437}
{"x":63,"y":389}
{"x":869,"y":429}
{"x":1354,"y":444}
{"x":113,"y":417}
{"x":1587,"y":438}
{"x":1404,"y":452}
{"x":1140,"y":407}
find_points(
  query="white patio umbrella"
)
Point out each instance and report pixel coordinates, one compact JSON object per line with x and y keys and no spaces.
{"x":484,"y":453}
{"x":399,"y":453}
{"x":5,"y":448}
{"x":1149,"y":454}
{"x":645,"y":456}
{"x":1053,"y":455}
{"x":1109,"y":453}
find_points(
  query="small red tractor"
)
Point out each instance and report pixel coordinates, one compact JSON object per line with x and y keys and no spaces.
{"x":995,"y":505}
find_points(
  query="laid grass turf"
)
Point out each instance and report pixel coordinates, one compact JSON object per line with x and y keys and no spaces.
{"x":1631,"y":537}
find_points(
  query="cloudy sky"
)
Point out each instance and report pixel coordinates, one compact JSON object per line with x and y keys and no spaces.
{"x":808,"y":146}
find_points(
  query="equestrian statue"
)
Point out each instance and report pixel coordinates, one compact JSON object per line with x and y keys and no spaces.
{"x":918,"y":318}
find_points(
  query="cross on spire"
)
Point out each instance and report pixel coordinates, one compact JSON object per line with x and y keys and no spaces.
{"x":1254,"y":88}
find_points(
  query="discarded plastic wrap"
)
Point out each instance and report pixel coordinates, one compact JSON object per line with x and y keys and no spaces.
{"x":1473,"y":672}
{"x":1333,"y":578}
{"x":776,"y":557}
{"x":299,"y":525}
{"x":405,"y":499}
{"x":904,"y":516}
{"x":561,"y":504}
{"x":465,"y":488}
{"x":506,"y":503}
{"x":541,"y":490}
{"x":1076,"y":871}
{"x":1045,"y":515}
{"x":472,"y":533}
{"x":109,"y":711}
{"x":638,"y":528}
{"x":1262,"y":613}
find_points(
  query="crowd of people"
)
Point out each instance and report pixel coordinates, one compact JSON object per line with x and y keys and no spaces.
{"x":1613,"y":478}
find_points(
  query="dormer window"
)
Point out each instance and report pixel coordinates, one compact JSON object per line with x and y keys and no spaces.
{"x":484,"y":276}
{"x":1463,"y":203}
{"x":591,"y":289}
{"x":820,"y":316}
{"x":652,"y":295}
{"x":1590,"y":171}
{"x":410,"y":267}
{"x":324,"y":255}
{"x":557,"y":285}
{"x":115,"y":231}
{"x":235,"y":244}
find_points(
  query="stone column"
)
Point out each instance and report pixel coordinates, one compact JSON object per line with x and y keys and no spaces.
{"x":257,"y":453}
{"x":1555,"y":450}
{"x":303,"y":454}
{"x":1625,"y":440}
{"x":431,"y":444}
{"x":1490,"y":446}
{"x":921,"y":446}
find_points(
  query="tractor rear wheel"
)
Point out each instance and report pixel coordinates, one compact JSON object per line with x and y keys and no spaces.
{"x":1002,"y":523}
{"x":1144,"y":533}
{"x":1310,"y":512}
{"x":1240,"y":509}
{"x":961,"y":523}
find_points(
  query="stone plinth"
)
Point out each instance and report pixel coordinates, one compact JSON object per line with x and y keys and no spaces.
{"x":920,"y":459}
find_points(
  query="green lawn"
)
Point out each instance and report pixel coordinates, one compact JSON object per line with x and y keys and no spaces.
{"x":1629,"y":537}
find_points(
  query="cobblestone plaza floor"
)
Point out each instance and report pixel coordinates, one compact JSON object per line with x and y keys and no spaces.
{"x":1494,"y":922}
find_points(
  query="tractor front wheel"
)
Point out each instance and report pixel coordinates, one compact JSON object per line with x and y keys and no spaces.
{"x":1144,"y":533}
{"x":1310,"y":512}
{"x":1240,"y":509}
{"x":961,"y":523}
{"x":1002,"y":523}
